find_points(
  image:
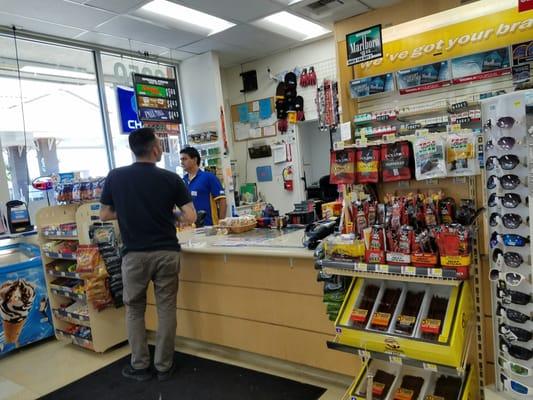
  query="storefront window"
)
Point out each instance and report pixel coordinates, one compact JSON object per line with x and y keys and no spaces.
{"x":51,"y":120}
{"x":119,"y":95}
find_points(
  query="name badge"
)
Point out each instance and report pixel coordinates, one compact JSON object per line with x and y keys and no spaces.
{"x":194,"y":193}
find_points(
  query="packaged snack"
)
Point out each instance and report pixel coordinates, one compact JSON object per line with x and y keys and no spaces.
{"x":383,"y":315}
{"x":381,"y":384}
{"x":395,"y":162}
{"x":76,"y":192}
{"x":360,"y":314}
{"x":447,"y":388}
{"x":410,"y":388}
{"x":367,"y":167}
{"x":89,"y":259}
{"x":432,"y":324}
{"x":429,"y":158}
{"x":461,"y":158}
{"x":399,"y":245}
{"x":342,"y":166}
{"x":375,"y":245}
{"x":406,"y":321}
{"x":454,"y":242}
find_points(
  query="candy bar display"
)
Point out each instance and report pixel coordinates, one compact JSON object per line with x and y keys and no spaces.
{"x":68,"y":229}
{"x":507,"y":120}
{"x":107,"y":246}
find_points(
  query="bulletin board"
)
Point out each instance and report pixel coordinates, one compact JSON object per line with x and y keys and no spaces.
{"x":254,"y":119}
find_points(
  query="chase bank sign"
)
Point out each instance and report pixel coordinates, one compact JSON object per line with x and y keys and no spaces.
{"x":127,"y":106}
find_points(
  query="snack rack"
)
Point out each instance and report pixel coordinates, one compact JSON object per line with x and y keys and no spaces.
{"x":99,"y":330}
{"x":465,"y":351}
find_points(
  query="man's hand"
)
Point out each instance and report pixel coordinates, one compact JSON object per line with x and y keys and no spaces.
{"x":187,"y":215}
{"x":107,"y":213}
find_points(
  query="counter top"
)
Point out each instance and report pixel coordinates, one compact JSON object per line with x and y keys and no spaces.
{"x":258,"y":242}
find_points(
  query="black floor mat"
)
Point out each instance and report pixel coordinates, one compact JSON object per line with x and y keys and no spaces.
{"x":195,"y":379}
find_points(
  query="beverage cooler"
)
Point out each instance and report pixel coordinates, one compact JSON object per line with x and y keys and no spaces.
{"x":508,"y":127}
{"x":24,"y":307}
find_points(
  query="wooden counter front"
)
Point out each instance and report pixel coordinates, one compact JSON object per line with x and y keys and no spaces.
{"x":266,"y":305}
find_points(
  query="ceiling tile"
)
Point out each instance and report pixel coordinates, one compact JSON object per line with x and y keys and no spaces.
{"x":250,"y":37}
{"x":137,"y":29}
{"x":116,"y":6}
{"x":236,"y":10}
{"x":121,"y":43}
{"x":57,"y":11}
{"x":35,"y":25}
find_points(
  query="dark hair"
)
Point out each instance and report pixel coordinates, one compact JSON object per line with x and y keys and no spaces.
{"x":192,"y":152}
{"x":141,"y":141}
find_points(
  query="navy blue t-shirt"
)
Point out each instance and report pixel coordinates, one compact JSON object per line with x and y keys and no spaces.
{"x":144,"y":197}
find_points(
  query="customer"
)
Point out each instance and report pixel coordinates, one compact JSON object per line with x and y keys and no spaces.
{"x":206,"y":191}
{"x":142,"y":197}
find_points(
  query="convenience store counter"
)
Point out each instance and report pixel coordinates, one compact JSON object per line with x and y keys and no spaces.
{"x":256,"y":292}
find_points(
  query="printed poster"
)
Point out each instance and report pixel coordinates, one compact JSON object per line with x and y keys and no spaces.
{"x":479,"y":66}
{"x":424,"y":77}
{"x":372,"y":85}
{"x":364,"y":45}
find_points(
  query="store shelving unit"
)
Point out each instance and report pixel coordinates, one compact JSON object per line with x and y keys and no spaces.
{"x":108,"y":326}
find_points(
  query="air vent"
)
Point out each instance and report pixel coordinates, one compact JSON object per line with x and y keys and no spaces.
{"x":317,"y":5}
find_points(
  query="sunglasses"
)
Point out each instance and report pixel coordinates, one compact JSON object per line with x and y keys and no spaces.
{"x":508,"y":239}
{"x":511,"y":259}
{"x":508,"y":296}
{"x":513,"y":367}
{"x":508,"y":182}
{"x":515,"y":386}
{"x":505,"y":143}
{"x":512,"y":333}
{"x":508,"y":200}
{"x":518,"y":352}
{"x":506,"y":162}
{"x":512,"y":315}
{"x":510,"y":221}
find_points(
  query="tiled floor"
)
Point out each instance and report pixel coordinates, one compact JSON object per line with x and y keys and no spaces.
{"x":42,"y":368}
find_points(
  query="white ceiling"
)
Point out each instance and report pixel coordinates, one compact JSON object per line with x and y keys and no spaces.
{"x":115,"y":23}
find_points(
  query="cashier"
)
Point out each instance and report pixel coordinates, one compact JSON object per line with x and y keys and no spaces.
{"x":206,"y":191}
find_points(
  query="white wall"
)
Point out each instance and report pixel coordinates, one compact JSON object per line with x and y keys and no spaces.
{"x":321,"y":55}
{"x":315,"y":151}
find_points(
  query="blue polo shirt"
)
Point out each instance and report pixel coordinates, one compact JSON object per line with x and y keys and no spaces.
{"x":205,"y":189}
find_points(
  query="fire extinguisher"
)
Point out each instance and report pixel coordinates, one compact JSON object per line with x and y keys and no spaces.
{"x":287,"y":179}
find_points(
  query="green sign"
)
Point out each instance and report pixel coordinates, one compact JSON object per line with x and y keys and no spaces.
{"x":364,"y":45}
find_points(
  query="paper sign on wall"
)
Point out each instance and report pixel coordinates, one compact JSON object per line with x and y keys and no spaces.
{"x":346,"y":131}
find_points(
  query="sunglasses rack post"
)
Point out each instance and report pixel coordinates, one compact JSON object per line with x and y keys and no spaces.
{"x":508,"y":178}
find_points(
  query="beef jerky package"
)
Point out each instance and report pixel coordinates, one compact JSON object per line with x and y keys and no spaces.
{"x":461,"y":154}
{"x":395,"y":162}
{"x":367,"y":165}
{"x":430,"y":160}
{"x":342,"y":166}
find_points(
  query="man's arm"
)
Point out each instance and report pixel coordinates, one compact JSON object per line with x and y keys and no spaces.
{"x":222,"y":207}
{"x":107,"y":213}
{"x":188,"y":214}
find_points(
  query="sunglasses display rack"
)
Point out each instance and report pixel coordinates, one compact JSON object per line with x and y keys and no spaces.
{"x":389,"y":381}
{"x":508,"y":128}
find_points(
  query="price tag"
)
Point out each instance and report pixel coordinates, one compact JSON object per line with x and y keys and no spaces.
{"x":460,"y":180}
{"x":409,"y":270}
{"x":403,"y":184}
{"x":364,"y":353}
{"x":518,"y":104}
{"x":429,"y":367}
{"x":435,"y":272}
{"x":421,"y":132}
{"x":362,"y":267}
{"x":63,"y":273}
{"x":338,"y":330}
{"x":338,"y":146}
{"x":383,"y":268}
{"x":395,"y":360}
{"x":389,"y":137}
{"x":383,"y":117}
{"x":364,"y":140}
{"x":432,"y":182}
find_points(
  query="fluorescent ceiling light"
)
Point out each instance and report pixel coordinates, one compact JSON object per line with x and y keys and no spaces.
{"x":56,"y":72}
{"x":294,"y":2}
{"x":188,"y":15}
{"x":290,"y":25}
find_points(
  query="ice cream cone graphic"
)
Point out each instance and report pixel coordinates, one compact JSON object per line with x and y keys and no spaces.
{"x":16,"y":300}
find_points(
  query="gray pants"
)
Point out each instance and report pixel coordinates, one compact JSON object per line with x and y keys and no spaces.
{"x":138,"y":269}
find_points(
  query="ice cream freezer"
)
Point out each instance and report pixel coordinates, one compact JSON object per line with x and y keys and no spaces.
{"x":24,"y":306}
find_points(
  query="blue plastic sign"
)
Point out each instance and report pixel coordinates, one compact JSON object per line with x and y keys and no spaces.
{"x":128,"y":110}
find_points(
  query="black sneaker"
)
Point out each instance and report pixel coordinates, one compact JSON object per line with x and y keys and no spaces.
{"x":165,"y":376}
{"x":140,"y":375}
